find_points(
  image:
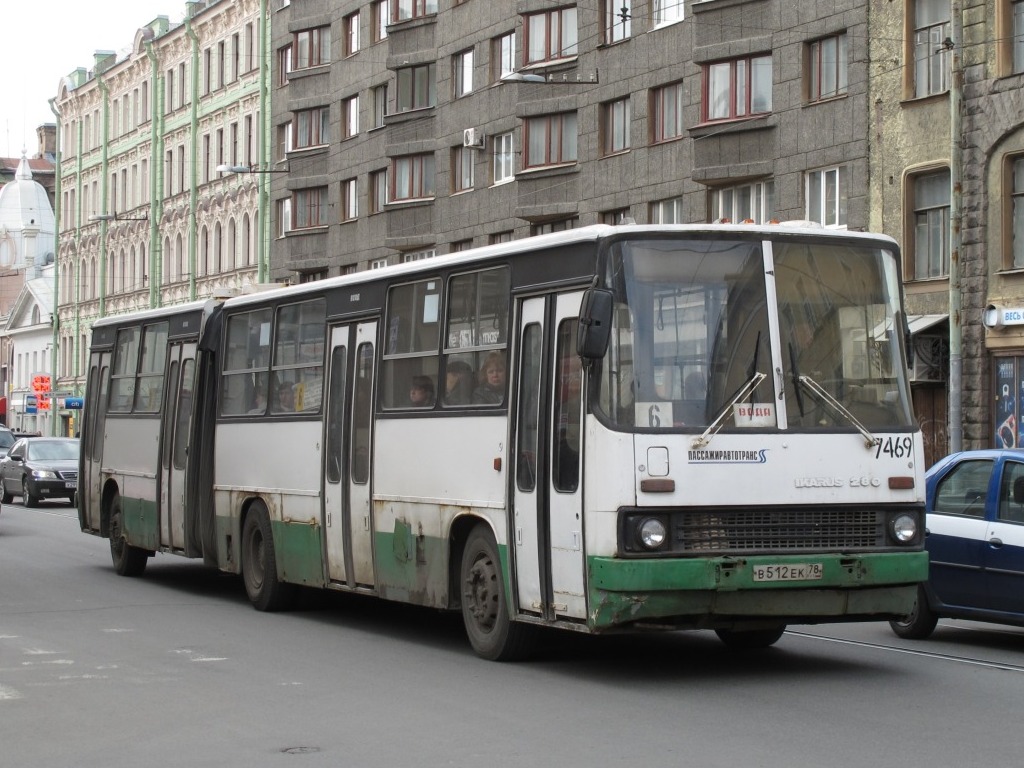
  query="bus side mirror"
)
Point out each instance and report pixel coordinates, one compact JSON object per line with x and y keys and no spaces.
{"x":595,"y":324}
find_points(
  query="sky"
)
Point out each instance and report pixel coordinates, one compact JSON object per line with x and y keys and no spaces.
{"x":45,"y":40}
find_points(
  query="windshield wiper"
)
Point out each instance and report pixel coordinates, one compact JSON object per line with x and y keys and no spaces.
{"x":820,"y":394}
{"x":748,"y":388}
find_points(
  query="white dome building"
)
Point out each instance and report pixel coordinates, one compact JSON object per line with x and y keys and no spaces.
{"x":27,"y":226}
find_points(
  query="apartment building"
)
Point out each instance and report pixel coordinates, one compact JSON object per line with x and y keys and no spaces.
{"x":145,"y":218}
{"x":410,"y":128}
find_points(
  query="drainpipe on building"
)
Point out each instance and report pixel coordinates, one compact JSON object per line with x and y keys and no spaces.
{"x":193,"y":189}
{"x":104,"y":169}
{"x":956,"y":191}
{"x":156,"y":178}
{"x":263,"y":197}
{"x":55,"y":316}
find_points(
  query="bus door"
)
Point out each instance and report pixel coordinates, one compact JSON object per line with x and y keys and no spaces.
{"x":348,"y":513}
{"x":547,"y":501}
{"x":89,"y":481}
{"x":174,"y":437}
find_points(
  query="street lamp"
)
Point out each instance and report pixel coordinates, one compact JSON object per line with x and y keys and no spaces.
{"x":115,"y":216}
{"x":226,"y":168}
{"x":564,"y":78}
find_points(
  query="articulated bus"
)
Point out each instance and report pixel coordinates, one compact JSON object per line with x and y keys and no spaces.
{"x":611,"y":428}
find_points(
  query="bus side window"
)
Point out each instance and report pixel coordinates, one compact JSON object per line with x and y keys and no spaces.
{"x":568,"y":401}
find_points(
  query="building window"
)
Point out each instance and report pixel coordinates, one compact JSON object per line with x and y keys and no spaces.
{"x":931,"y":224}
{"x":826,"y":69}
{"x":403,"y":10}
{"x":462,"y":74}
{"x":413,"y":177}
{"x":931,"y":55}
{"x":615,"y":118}
{"x":309,"y":207}
{"x":463,"y":160}
{"x":550,"y":140}
{"x":503,"y":158}
{"x":380,"y":105}
{"x":351,"y":26}
{"x":503,"y":56}
{"x":666,"y":11}
{"x":378,"y":190}
{"x":617,"y":20}
{"x":667,"y":211}
{"x":312,"y":128}
{"x":668,"y":112}
{"x":616,"y":216}
{"x":411,"y":256}
{"x":826,"y":196}
{"x":461,"y":245}
{"x":416,"y":88}
{"x":561,"y":225}
{"x":284,"y":216}
{"x":551,"y":35}
{"x":312,"y":47}
{"x":284,"y":64}
{"x":380,"y":20}
{"x":284,"y":140}
{"x":747,"y":202}
{"x":350,"y":112}
{"x":499,"y":237}
{"x":1016,"y":214}
{"x":737,"y":88}
{"x":350,"y":195}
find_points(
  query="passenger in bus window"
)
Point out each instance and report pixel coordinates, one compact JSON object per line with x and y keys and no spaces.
{"x":285,"y":399}
{"x":458,"y":388}
{"x":492,"y":380}
{"x":421,"y":393}
{"x":259,"y":402}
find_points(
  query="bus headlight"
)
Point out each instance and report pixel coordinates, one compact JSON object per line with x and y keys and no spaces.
{"x":651,"y":533}
{"x":904,"y":528}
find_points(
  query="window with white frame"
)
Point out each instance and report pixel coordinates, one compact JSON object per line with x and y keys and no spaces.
{"x":350,"y":199}
{"x":417,"y":87}
{"x":380,"y":20}
{"x":378,"y":263}
{"x":311,"y":47}
{"x":503,"y":158}
{"x":311,"y":127}
{"x":411,"y":256}
{"x":931,"y":195}
{"x":284,"y":216}
{"x":615,"y":119}
{"x":826,"y":70}
{"x":1016,"y":214}
{"x":378,"y":190}
{"x":551,"y":35}
{"x":503,"y":56}
{"x":746,"y":202}
{"x":351,"y":27}
{"x":463,"y":161}
{"x":559,"y":225}
{"x":309,"y":207}
{"x":350,"y":112}
{"x":380,"y":105}
{"x":667,"y":106}
{"x":617,"y":20}
{"x":462,"y":72}
{"x":932,"y":57}
{"x":667,"y":211}
{"x":826,"y":196}
{"x":550,"y":140}
{"x":737,"y":88}
{"x":413,"y":177}
{"x":666,"y":11}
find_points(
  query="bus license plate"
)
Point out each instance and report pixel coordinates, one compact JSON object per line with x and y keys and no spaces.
{"x":797,"y":572}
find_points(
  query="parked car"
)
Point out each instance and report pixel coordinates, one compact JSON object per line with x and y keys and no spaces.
{"x":37,"y":468}
{"x":7,"y":439}
{"x":975,"y":540}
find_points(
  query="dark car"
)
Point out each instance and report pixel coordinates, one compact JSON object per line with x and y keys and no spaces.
{"x":975,"y":541}
{"x":7,"y":439}
{"x":39,"y":468}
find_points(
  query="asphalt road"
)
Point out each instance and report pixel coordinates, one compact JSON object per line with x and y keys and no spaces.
{"x":176,"y":668}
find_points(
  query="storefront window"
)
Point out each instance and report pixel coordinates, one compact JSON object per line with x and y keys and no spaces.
{"x":1009,"y":402}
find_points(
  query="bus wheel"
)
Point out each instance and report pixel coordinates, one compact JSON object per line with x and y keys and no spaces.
{"x":128,"y":560}
{"x":750,"y":639}
{"x":919,"y":623}
{"x":491,"y":632}
{"x":259,"y":564}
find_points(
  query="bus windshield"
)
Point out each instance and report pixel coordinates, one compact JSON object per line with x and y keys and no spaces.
{"x":787,"y":333}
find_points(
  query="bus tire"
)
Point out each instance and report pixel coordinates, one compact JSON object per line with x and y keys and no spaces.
{"x":919,"y":623}
{"x":259,"y":564}
{"x":750,"y":639}
{"x":128,"y":560}
{"x":492,"y":633}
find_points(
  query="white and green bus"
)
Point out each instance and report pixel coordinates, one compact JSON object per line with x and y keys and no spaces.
{"x":611,"y":428}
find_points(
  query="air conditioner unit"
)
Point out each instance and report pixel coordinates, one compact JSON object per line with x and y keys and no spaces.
{"x":473,"y":138}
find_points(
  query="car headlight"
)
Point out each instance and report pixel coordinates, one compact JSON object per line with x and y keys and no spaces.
{"x":904,"y":528}
{"x":44,"y":474}
{"x":651,"y":533}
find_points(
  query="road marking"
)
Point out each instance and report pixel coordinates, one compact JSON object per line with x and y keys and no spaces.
{"x":9,"y":694}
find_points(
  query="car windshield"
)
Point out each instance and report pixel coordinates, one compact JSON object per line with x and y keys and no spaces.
{"x":6,"y":439}
{"x":45,"y":450}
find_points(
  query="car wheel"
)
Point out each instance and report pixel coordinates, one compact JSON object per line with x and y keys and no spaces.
{"x":31,"y":500}
{"x":6,"y":497}
{"x":920,"y":622}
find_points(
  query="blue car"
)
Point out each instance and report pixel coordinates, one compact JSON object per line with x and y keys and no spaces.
{"x":975,"y":540}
